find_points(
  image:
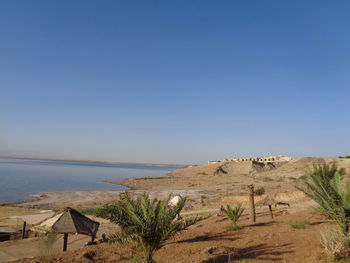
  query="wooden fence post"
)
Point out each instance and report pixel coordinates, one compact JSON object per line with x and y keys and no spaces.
{"x":252,"y":216}
{"x":271,"y":213}
{"x":24,"y":230}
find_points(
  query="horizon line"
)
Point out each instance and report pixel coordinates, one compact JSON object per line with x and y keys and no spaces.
{"x":91,"y":161}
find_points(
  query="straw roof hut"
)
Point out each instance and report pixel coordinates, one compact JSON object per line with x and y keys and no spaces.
{"x":71,"y":222}
{"x":268,"y":201}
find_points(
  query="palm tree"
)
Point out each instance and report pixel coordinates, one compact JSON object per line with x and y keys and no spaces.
{"x":233,"y":214}
{"x":325,"y":186}
{"x":148,"y":223}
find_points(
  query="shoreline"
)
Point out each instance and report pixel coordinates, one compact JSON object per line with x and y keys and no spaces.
{"x":64,"y":198}
{"x":205,"y":179}
{"x":41,"y":196}
{"x":38,"y":197}
{"x":95,"y":162}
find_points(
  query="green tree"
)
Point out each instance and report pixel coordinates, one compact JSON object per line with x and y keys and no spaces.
{"x":148,"y":223}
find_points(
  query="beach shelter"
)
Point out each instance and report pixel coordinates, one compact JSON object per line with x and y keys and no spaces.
{"x":268,"y":201}
{"x":72,"y":222}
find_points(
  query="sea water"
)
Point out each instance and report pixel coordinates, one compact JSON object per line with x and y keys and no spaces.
{"x":18,"y":178}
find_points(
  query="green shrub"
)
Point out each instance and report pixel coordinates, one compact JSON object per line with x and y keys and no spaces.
{"x":259,"y":191}
{"x":234,"y":228}
{"x":298,"y":225}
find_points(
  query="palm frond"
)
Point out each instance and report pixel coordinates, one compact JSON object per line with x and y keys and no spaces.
{"x":326,"y":187}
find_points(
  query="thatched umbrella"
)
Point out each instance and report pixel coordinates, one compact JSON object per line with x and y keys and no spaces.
{"x":71,"y":222}
{"x":268,"y":201}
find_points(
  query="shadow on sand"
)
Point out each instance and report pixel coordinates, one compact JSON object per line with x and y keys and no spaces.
{"x":262,"y":224}
{"x":258,"y":252}
{"x":222,"y":236}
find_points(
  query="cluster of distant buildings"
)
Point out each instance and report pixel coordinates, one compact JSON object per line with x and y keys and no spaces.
{"x":278,"y":158}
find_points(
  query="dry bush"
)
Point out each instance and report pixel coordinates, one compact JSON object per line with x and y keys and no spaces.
{"x":333,"y":241}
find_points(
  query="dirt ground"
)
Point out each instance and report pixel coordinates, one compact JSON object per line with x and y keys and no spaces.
{"x":207,"y":188}
{"x":209,"y":241}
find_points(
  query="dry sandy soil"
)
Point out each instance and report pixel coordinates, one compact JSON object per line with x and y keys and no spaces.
{"x":209,"y":241}
{"x":207,"y":188}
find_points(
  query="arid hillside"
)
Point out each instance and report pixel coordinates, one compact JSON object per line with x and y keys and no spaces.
{"x":230,"y":178}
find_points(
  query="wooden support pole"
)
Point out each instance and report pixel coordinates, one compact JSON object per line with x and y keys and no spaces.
{"x":24,"y":230}
{"x":252,"y":215}
{"x":65,"y":241}
{"x":271,"y":213}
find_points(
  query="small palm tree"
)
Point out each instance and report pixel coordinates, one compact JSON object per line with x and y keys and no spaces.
{"x":325,"y":186}
{"x":234,"y":214}
{"x":148,"y":223}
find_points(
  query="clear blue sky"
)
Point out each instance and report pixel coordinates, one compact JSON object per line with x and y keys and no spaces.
{"x":174,"y":81}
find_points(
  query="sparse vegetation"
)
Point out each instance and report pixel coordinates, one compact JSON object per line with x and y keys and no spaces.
{"x":267,"y":179}
{"x":91,"y":211}
{"x":298,"y":225}
{"x":147,"y":223}
{"x":233,"y":214}
{"x":259,"y":191}
{"x":344,"y":157}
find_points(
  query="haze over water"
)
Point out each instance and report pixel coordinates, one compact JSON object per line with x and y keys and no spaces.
{"x":18,"y":178}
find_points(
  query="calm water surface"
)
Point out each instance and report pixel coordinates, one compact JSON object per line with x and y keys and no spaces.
{"x":18,"y":178}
